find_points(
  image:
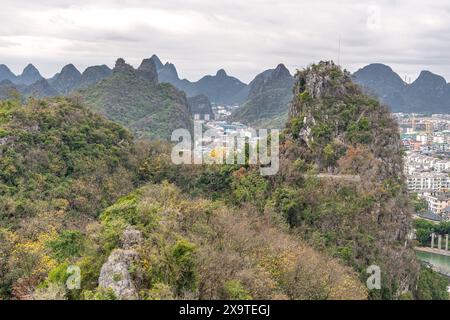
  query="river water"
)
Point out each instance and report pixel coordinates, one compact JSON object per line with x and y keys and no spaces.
{"x":440,"y":261}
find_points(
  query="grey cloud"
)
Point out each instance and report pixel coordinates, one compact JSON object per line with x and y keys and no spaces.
{"x":244,"y":37}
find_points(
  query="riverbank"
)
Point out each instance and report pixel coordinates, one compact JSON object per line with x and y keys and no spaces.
{"x":433,"y":250}
{"x":439,"y":260}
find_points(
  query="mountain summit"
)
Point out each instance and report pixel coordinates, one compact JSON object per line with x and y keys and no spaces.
{"x":157,"y":61}
{"x":29,"y":75}
{"x":6,"y":73}
{"x":351,"y":147}
{"x":67,"y":80}
{"x":221,"y":73}
{"x":268,"y":99}
{"x":92,"y":75}
{"x":148,"y":70}
{"x":428,"y":93}
{"x":220,"y":88}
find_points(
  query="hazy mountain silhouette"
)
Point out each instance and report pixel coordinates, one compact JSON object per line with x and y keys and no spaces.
{"x":429,"y":93}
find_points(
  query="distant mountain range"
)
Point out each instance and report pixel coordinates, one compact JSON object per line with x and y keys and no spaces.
{"x":220,"y":88}
{"x":429,"y":93}
{"x":263,"y":102}
{"x":31,"y":83}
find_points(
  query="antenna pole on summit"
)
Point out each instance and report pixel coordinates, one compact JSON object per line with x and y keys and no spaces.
{"x":339,"y":52}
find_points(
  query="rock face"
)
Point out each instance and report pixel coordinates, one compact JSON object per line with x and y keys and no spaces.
{"x":148,"y":70}
{"x":428,"y":93}
{"x":130,"y":238}
{"x":168,"y":73}
{"x":157,"y":61}
{"x":268,"y":99}
{"x":341,"y":132}
{"x":115,"y":274}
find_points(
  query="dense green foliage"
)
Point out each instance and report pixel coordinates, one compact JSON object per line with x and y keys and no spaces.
{"x":59,"y":166}
{"x":420,"y":205}
{"x":80,"y":163}
{"x":340,"y":185}
{"x":194,"y":248}
{"x":347,"y":194}
{"x":431,"y":286}
{"x":58,"y":156}
{"x":424,"y":229}
{"x":71,"y":194}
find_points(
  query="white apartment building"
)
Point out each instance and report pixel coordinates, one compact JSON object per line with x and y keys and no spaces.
{"x":428,"y":180}
{"x":438,"y":201}
{"x":416,"y":162}
{"x":205,"y":117}
{"x":442,"y":166}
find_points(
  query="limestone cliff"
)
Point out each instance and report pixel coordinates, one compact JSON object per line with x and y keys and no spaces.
{"x":349,"y":145}
{"x":115,"y":273}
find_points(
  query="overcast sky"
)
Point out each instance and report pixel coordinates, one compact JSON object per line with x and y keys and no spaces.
{"x":244,"y":37}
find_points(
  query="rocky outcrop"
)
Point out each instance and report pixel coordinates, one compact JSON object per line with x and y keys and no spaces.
{"x":131,"y":238}
{"x":336,"y":129}
{"x":157,"y":61}
{"x":147,"y":70}
{"x":115,"y":273}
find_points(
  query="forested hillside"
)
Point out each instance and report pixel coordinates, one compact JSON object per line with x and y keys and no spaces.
{"x":135,"y":99}
{"x":59,"y":166}
{"x":78,"y":190}
{"x":61,"y":169}
{"x":358,"y":208}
